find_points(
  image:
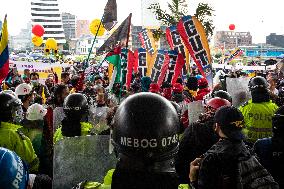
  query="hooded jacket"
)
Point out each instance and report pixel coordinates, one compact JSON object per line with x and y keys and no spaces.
{"x":222,"y":159}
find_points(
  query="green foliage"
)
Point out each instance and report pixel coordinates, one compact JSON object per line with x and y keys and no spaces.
{"x":203,"y":13}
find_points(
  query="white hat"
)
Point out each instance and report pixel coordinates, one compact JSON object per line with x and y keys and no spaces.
{"x":36,"y":112}
{"x":23,"y":89}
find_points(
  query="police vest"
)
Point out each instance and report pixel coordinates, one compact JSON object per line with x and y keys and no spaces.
{"x":14,"y":140}
{"x":85,"y":130}
{"x":258,"y":119}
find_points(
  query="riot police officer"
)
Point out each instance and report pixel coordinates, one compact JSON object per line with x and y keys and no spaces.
{"x":10,"y":137}
{"x":76,"y":111}
{"x":258,"y":112}
{"x":145,"y":136}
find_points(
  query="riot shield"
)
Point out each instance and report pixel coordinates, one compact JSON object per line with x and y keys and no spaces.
{"x":194,"y":110}
{"x":238,"y":88}
{"x":77,"y":159}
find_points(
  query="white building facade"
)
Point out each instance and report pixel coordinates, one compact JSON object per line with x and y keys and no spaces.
{"x":84,"y":44}
{"x":47,"y":14}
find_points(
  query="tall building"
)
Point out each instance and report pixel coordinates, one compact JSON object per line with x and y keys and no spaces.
{"x":231,"y":40}
{"x":275,"y":40}
{"x":69,"y":25}
{"x":82,"y":28}
{"x":22,"y":41}
{"x":47,"y":14}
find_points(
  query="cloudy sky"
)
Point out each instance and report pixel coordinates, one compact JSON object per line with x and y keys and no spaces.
{"x":258,"y":17}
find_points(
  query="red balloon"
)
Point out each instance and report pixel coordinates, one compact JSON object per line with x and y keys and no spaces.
{"x":38,"y":30}
{"x":232,"y":26}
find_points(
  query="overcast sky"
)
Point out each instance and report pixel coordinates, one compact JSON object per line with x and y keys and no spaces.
{"x":258,"y":17}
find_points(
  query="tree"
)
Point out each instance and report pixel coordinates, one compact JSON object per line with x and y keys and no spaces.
{"x":178,"y":9}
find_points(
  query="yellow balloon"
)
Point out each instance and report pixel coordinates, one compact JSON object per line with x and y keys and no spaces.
{"x":94,"y":25}
{"x":51,"y":43}
{"x":37,"y":41}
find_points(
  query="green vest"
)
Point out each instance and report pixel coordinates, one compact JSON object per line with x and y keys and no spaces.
{"x":85,"y":130}
{"x":258,"y":119}
{"x":14,"y":140}
{"x":108,"y":181}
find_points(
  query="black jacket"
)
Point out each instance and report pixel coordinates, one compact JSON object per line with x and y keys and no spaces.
{"x":197,"y":139}
{"x":221,"y":161}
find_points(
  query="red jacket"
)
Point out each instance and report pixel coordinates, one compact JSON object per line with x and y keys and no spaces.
{"x":201,"y":93}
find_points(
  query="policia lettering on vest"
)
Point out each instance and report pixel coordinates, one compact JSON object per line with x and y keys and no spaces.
{"x":260,"y":116}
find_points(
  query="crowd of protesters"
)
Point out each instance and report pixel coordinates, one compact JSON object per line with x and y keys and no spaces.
{"x":208,"y":153}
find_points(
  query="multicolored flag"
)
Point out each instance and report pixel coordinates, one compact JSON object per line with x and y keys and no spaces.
{"x":164,"y":69}
{"x":4,"y":53}
{"x":172,"y":63}
{"x":195,"y":40}
{"x":157,"y":68}
{"x":119,"y":37}
{"x":110,"y":15}
{"x":147,"y":40}
{"x":114,"y":58}
{"x":234,"y":54}
{"x":175,"y":41}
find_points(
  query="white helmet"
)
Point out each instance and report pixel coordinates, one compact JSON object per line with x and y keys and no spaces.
{"x":23,"y":89}
{"x":36,"y":112}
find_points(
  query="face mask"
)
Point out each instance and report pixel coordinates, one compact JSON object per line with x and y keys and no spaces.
{"x":35,"y":82}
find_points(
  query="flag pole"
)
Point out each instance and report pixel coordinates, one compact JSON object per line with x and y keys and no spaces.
{"x":94,"y":42}
{"x":127,"y":40}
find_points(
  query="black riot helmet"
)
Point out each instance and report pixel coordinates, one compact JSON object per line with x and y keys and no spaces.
{"x":75,"y":105}
{"x":146,"y":127}
{"x":278,"y":122}
{"x":258,"y":83}
{"x":10,"y":108}
{"x":222,"y":94}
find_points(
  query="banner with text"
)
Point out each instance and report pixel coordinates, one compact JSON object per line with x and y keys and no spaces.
{"x":172,"y":63}
{"x":175,"y":41}
{"x":195,"y":40}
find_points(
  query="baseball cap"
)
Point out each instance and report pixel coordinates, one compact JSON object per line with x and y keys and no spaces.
{"x":231,"y":121}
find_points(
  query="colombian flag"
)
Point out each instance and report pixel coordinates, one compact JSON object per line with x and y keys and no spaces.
{"x":4,"y":54}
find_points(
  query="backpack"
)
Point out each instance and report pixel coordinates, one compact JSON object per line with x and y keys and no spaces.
{"x":252,"y":175}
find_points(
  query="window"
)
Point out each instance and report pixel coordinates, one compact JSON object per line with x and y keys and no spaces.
{"x":43,"y":4}
{"x":46,"y":15}
{"x":40,"y":9}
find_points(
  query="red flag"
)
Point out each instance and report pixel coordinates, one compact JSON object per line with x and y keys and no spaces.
{"x":164,"y":69}
{"x":178,"y":68}
{"x":169,"y":38}
{"x":130,"y":66}
{"x":135,"y":64}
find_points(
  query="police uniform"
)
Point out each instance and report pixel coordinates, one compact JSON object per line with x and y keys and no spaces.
{"x":86,"y":129}
{"x":14,"y":140}
{"x":258,"y":119}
